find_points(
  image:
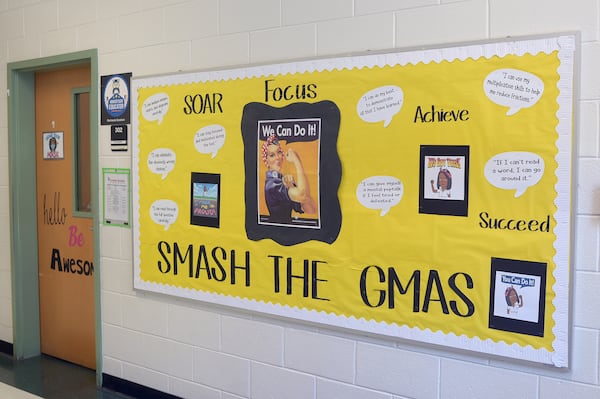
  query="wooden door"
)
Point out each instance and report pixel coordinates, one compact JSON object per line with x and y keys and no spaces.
{"x":65,"y":236}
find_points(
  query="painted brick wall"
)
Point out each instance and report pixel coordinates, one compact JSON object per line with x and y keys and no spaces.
{"x":198,"y":351}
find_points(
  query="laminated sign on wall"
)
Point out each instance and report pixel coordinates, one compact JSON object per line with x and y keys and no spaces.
{"x":423,"y":195}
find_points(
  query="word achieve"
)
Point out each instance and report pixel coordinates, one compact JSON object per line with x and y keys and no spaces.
{"x":488,"y":222}
{"x":440,"y":115}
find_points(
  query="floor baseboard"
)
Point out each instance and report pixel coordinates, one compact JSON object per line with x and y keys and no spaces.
{"x":132,"y":389}
{"x":6,"y":348}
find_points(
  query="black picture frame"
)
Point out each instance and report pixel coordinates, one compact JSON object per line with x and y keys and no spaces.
{"x":329,"y":167}
{"x":205,"y":199}
{"x":505,"y":274}
{"x":453,"y":162}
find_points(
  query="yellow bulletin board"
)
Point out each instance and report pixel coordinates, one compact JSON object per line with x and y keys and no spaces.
{"x":423,"y":195}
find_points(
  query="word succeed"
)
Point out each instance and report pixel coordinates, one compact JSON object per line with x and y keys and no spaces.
{"x":502,"y":223}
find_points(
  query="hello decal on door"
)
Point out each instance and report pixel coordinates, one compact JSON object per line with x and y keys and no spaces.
{"x":57,"y":215}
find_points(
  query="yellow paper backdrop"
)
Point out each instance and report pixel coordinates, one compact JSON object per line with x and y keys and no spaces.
{"x":403,"y":239}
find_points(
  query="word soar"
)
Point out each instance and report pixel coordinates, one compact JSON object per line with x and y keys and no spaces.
{"x":207,"y":103}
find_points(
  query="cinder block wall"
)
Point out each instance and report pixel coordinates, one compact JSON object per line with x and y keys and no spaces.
{"x":199,"y":351}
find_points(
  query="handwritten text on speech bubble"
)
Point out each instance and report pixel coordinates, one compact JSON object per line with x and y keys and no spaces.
{"x":161,"y":161}
{"x":155,"y":107}
{"x":515,"y":170}
{"x":379,"y":192}
{"x":164,"y":212}
{"x":513,"y":88}
{"x":380,"y":104}
{"x":210,"y":139}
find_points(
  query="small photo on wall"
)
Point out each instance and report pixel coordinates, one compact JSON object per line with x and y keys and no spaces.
{"x":517,"y":296}
{"x":205,"y":199}
{"x":52,"y":144}
{"x":444,"y":180}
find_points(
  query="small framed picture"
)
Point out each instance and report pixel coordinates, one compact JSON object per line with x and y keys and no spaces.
{"x":53,"y":145}
{"x":517,"y":296}
{"x":444,"y":180}
{"x":205,"y":209}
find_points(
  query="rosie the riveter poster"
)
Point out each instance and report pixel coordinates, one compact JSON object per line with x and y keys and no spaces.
{"x":423,"y":195}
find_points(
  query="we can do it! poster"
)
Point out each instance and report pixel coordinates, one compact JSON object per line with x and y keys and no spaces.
{"x":423,"y":195}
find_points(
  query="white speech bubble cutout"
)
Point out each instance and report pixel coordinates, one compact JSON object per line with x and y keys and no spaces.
{"x":210,"y":139}
{"x":517,"y":170}
{"x":513,"y":88}
{"x":162,"y":161}
{"x":380,"y":104}
{"x":156,"y":107}
{"x":164,"y":212}
{"x":380,"y":192}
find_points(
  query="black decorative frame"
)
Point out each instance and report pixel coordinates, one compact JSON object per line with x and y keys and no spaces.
{"x":523,"y":267}
{"x":444,"y":206}
{"x":195,"y":217}
{"x":330,"y":172}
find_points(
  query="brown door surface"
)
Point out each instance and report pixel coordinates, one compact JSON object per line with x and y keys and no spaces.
{"x":65,"y":236}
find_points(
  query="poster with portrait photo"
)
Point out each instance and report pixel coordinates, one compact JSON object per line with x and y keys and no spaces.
{"x":53,"y":145}
{"x":292,"y":172}
{"x":115,"y":99}
{"x":444,"y":180}
{"x":517,"y":296}
{"x":288,"y":172}
{"x":205,"y":199}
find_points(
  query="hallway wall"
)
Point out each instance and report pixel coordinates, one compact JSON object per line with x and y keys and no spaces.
{"x":194,"y":350}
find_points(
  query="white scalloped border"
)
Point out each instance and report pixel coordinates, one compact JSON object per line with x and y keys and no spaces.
{"x":566,"y":47}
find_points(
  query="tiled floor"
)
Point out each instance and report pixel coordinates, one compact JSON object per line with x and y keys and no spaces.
{"x":10,"y":392}
{"x":52,"y":378}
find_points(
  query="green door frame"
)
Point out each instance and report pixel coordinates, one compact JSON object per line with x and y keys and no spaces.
{"x":22,"y":191}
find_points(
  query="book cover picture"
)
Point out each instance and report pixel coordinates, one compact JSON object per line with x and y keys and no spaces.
{"x":205,"y":199}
